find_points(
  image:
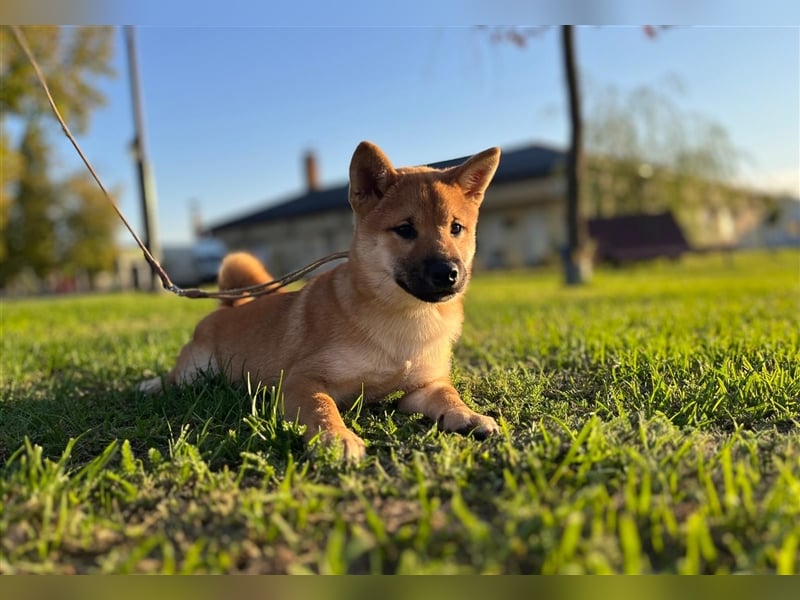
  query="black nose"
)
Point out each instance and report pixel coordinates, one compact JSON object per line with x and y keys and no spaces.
{"x":443,"y":274}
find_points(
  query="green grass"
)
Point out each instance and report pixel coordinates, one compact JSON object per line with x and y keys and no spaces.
{"x":650,"y":424}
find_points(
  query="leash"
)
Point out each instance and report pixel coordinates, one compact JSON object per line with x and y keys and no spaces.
{"x":192,"y":293}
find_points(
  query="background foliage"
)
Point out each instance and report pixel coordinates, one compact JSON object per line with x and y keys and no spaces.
{"x":50,"y":225}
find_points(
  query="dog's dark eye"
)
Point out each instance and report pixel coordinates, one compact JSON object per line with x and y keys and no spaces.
{"x":406,"y":231}
{"x":456,"y":228}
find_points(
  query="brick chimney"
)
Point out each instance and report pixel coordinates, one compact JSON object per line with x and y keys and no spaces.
{"x":312,"y":176}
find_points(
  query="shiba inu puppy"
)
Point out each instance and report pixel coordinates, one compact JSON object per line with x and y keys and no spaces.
{"x":382,"y":322}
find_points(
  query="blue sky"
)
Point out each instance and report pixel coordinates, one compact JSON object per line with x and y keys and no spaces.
{"x":230,"y":111}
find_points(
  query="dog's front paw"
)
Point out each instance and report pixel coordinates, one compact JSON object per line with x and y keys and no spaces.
{"x":465,"y":421}
{"x":345,"y":441}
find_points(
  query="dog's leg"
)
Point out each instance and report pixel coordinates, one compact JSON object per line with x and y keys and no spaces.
{"x":315,"y":409}
{"x":441,"y":402}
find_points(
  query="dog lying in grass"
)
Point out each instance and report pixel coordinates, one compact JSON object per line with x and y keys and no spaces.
{"x":382,"y":322}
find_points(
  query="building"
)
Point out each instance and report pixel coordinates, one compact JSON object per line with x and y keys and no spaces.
{"x":521,"y":220}
{"x":779,"y":227}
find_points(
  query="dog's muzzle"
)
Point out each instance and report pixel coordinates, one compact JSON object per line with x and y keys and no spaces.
{"x":433,"y":280}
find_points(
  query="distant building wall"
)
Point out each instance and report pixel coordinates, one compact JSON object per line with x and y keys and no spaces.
{"x":521,"y":224}
{"x":289,"y":244}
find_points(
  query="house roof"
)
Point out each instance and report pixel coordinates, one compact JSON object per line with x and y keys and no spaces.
{"x":522,"y":163}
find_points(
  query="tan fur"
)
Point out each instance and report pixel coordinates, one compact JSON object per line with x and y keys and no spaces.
{"x":240,"y":270}
{"x":355,"y":327}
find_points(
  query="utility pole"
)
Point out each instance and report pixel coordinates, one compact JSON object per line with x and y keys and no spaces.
{"x":147,"y":188}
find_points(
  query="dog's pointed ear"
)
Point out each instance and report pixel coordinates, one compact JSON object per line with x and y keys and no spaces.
{"x":371,"y":174}
{"x":475,"y":174}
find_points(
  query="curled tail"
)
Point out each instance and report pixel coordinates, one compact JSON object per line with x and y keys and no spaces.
{"x":239,"y":270}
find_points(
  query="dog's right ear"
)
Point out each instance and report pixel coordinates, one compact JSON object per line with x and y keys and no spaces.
{"x":371,"y":174}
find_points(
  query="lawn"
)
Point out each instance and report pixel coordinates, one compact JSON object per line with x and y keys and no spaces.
{"x":650,"y":424}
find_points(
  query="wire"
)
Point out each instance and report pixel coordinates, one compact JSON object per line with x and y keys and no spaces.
{"x":192,"y":293}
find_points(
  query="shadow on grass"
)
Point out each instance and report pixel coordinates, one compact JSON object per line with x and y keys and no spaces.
{"x":222,"y":420}
{"x":213,"y":415}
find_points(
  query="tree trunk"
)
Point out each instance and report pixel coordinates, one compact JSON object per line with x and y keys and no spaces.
{"x":577,"y":262}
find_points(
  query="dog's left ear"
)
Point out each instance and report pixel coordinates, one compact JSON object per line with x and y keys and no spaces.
{"x":475,"y":174}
